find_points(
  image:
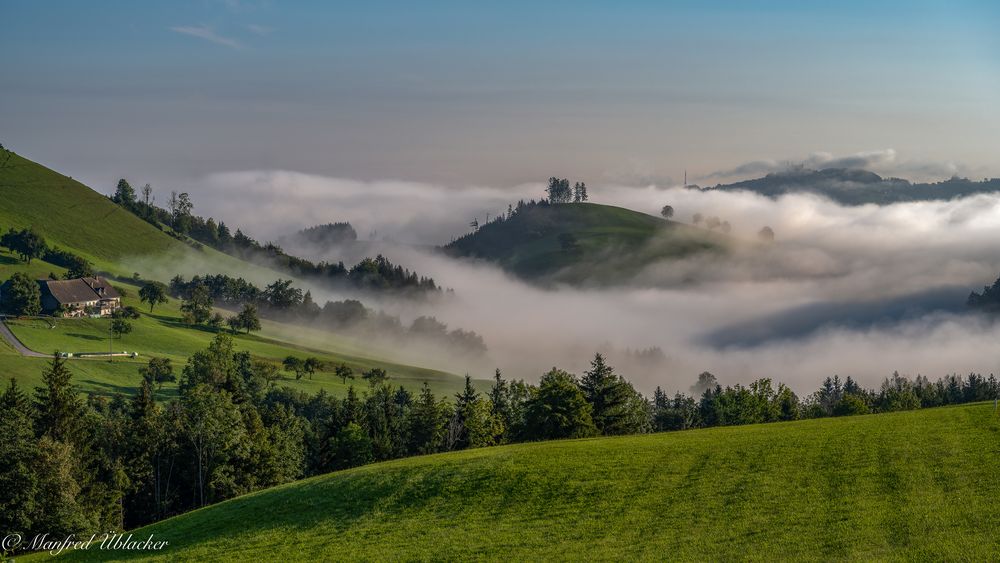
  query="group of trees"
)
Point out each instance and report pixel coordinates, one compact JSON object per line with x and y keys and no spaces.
{"x":371,"y":274}
{"x":324,"y":236}
{"x":303,"y":367}
{"x":69,"y":465}
{"x":988,"y":301}
{"x":765,"y":234}
{"x":21,"y":296}
{"x":711,"y":223}
{"x":282,"y":301}
{"x":28,"y":244}
{"x":560,"y":192}
{"x":712,"y":405}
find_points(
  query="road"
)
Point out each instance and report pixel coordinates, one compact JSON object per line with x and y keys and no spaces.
{"x":13,"y":341}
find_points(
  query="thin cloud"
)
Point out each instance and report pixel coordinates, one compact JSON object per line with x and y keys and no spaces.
{"x":208,"y":34}
{"x":259,"y":29}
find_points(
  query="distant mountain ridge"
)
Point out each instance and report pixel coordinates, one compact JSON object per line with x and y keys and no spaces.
{"x":851,"y":186}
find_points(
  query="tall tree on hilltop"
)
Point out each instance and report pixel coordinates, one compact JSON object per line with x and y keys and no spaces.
{"x":558,"y":190}
{"x":124,"y":194}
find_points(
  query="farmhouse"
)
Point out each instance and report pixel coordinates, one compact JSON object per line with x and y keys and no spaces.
{"x":79,"y":297}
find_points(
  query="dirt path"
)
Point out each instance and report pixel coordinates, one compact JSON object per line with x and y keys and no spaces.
{"x":13,"y":341}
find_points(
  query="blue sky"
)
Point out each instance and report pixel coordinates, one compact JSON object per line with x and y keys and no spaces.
{"x":494,"y":93}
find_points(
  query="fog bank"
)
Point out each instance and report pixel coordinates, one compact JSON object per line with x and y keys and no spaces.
{"x":860,"y":291}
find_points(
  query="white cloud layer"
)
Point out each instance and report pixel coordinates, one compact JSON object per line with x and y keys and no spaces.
{"x":858,"y":291}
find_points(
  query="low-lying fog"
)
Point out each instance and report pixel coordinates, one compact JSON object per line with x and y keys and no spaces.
{"x":858,"y":291}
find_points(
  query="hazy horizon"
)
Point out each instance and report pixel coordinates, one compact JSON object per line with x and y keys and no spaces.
{"x":462,"y":95}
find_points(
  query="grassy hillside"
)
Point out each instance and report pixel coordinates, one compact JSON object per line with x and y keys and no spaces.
{"x":74,"y":217}
{"x":609,"y":244}
{"x":71,"y":215}
{"x":912,"y":485}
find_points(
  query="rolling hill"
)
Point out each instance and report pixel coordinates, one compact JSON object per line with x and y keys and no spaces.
{"x":911,"y":485}
{"x":849,"y":186}
{"x":582,"y":243}
{"x":74,"y":217}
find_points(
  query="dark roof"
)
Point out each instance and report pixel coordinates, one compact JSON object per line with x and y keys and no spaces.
{"x":78,"y":290}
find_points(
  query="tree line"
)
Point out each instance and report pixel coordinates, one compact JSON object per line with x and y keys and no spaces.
{"x":988,"y":301}
{"x":29,"y":244}
{"x":281,"y":300}
{"x":72,"y":465}
{"x":559,"y":191}
{"x":370,"y":274}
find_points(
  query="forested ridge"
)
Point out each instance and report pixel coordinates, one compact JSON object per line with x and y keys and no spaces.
{"x":371,"y":274}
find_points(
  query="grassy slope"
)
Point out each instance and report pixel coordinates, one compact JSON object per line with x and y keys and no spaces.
{"x":912,"y":485}
{"x":613,"y":243}
{"x":72,"y":216}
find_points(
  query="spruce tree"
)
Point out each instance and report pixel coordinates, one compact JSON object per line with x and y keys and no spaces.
{"x":466,"y":418}
{"x":426,"y":423}
{"x":18,"y":482}
{"x":58,"y":409}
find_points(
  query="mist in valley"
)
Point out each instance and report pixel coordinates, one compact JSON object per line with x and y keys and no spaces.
{"x":855,"y":291}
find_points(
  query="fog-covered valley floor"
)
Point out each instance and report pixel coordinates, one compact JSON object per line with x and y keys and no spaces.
{"x":860,"y":291}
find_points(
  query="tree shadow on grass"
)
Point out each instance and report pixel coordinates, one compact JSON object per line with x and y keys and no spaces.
{"x":105,"y":389}
{"x":85,"y":336}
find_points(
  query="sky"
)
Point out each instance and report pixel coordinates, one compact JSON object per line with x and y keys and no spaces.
{"x":466,"y":94}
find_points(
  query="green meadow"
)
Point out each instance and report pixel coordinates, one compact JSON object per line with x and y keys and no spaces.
{"x":162,"y":334}
{"x":916,"y":485}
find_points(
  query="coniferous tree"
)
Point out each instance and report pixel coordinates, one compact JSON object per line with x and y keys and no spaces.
{"x":59,"y":411}
{"x":469,"y":422}
{"x":426,"y":423}
{"x":18,"y":481}
{"x":617,"y":407}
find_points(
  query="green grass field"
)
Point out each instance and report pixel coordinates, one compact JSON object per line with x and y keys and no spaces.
{"x":74,"y":217}
{"x":612,"y":243}
{"x":918,"y":485}
{"x":162,"y":334}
